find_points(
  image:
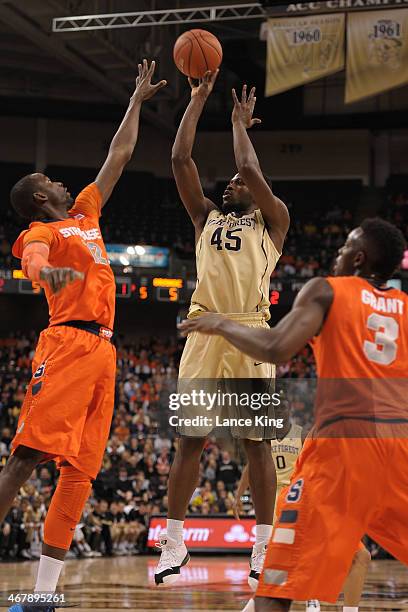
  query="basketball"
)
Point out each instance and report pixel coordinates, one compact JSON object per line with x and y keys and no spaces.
{"x":197,"y":51}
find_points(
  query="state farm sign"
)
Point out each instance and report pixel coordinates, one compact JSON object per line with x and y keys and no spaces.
{"x":209,"y":533}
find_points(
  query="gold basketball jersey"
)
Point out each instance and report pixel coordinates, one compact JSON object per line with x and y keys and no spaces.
{"x":285,"y":453}
{"x":235,"y":258}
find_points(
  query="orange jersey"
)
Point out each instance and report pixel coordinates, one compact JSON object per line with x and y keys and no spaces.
{"x":362,"y":345}
{"x":77,"y":243}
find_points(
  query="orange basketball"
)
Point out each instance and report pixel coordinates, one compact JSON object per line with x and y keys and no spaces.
{"x":197,"y":51}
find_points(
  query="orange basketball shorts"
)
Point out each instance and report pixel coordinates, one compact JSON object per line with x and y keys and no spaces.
{"x":342,"y":488}
{"x":67,"y":411}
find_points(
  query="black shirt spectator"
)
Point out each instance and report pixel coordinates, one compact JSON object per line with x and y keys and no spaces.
{"x":227,"y":471}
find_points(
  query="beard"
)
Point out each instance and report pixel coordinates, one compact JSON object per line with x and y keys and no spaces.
{"x":234,"y":206}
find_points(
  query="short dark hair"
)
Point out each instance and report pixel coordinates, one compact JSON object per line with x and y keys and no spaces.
{"x":386,"y":245}
{"x":21,"y":197}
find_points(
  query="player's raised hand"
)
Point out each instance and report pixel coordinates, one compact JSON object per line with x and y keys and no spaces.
{"x":58,"y":278}
{"x":204,"y":86}
{"x":144,"y":88}
{"x":244,"y":109}
{"x":208,"y":323}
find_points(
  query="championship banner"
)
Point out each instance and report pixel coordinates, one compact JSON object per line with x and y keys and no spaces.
{"x":377,"y":53}
{"x":303,"y":49}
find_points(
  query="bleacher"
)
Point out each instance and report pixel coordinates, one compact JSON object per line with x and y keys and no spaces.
{"x":145,"y":209}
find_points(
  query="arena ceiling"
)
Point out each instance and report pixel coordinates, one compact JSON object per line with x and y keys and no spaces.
{"x":90,"y":74}
{"x":98,"y":67}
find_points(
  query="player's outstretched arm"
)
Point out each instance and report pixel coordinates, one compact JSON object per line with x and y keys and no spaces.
{"x":36,"y":267}
{"x":184,"y":169}
{"x":124,"y":141}
{"x":272,"y":208}
{"x":279,"y":344}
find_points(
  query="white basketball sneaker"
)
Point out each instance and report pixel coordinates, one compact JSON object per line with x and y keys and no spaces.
{"x":256,"y":564}
{"x":173,"y":556}
{"x":313,"y":605}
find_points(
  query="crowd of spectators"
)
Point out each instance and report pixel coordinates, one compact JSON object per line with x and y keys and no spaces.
{"x":395,"y":209}
{"x":322,"y":213}
{"x":311,"y":245}
{"x":132,"y":484}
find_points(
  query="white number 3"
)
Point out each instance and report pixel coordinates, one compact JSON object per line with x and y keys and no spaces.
{"x":384,"y":348}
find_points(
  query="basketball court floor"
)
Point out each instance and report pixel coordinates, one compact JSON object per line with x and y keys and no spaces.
{"x":207,"y":583}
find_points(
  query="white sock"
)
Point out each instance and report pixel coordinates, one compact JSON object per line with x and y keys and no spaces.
{"x":262,"y":534}
{"x":175,"y":529}
{"x":350,"y":609}
{"x":48,"y":574}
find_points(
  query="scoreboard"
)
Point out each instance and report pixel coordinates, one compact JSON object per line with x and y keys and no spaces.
{"x":148,"y":288}
{"x":139,"y":288}
{"x":145,"y":288}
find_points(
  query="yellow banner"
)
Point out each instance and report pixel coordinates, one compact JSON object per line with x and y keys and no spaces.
{"x":377,"y":52}
{"x":303,"y":49}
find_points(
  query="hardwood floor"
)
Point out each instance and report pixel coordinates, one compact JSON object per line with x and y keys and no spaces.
{"x":207,"y":583}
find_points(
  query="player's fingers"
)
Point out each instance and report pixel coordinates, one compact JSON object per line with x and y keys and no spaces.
{"x":244,"y":94}
{"x":191,"y":83}
{"x":56,"y":283}
{"x":51,"y":283}
{"x":151,"y":69}
{"x":139,"y":66}
{"x":184,"y":324}
{"x":254,"y":121}
{"x":234,"y":97}
{"x":74,"y":275}
{"x":68,"y":277}
{"x":214,"y":75}
{"x":65,"y":278}
{"x":159,"y":85}
{"x":59,"y":275}
{"x":207,"y":76}
{"x":145,"y":67}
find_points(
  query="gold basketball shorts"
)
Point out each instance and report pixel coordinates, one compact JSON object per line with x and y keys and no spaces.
{"x":232,"y":386}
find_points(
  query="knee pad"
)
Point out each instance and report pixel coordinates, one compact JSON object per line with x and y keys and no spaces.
{"x":66,"y":507}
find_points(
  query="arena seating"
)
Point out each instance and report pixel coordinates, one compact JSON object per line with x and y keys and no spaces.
{"x":145,"y":209}
{"x":133,"y":481}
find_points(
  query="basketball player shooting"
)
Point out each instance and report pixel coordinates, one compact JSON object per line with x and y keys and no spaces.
{"x":358,"y":328}
{"x":237,"y":247}
{"x":67,"y":411}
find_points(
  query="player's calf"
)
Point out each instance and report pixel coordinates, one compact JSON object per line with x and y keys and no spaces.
{"x":18,"y":469}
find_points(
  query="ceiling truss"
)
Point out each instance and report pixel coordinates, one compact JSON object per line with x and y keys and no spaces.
{"x":139,"y":19}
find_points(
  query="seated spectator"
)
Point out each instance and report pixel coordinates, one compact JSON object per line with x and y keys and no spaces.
{"x":123,"y":484}
{"x":227,"y":471}
{"x":122,"y":431}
